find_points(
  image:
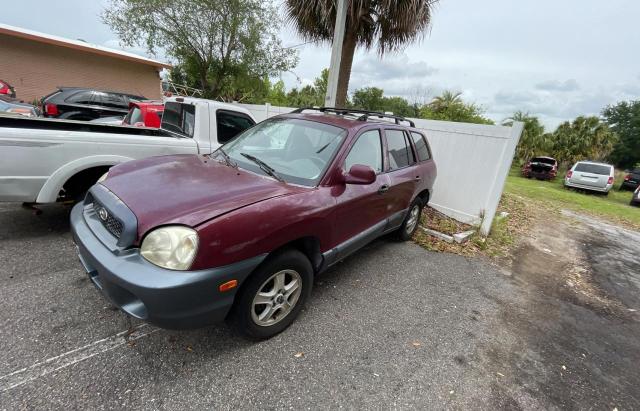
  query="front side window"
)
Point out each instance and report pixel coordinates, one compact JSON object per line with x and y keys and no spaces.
{"x":299,"y":151}
{"x":400,"y":151}
{"x":179,"y":118}
{"x":422,"y":150}
{"x":366,"y":151}
{"x":230,"y":124}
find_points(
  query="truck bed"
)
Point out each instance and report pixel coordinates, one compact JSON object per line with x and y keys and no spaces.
{"x":73,"y":125}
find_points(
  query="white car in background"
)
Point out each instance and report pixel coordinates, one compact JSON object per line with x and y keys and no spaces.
{"x":591,"y":176}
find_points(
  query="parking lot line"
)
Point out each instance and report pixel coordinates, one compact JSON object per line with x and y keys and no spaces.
{"x":53,"y":364}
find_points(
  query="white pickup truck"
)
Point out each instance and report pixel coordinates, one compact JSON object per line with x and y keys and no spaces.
{"x":44,"y":161}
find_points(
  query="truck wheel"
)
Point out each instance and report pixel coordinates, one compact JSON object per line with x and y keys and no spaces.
{"x":411,"y":221}
{"x":273,"y":296}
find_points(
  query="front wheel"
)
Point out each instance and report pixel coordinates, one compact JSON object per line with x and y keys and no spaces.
{"x":273,"y":296}
{"x":411,"y":221}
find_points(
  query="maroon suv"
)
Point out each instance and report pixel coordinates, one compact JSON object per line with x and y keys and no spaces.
{"x":187,"y":240}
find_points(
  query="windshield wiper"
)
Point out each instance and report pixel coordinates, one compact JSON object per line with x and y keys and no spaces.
{"x":227,"y":159}
{"x":263,"y":166}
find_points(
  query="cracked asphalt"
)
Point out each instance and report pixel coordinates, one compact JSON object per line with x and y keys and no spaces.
{"x":393,"y":326}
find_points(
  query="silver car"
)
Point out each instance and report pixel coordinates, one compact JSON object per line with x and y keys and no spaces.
{"x":592,"y":176}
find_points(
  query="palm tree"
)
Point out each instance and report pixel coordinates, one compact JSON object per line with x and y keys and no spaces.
{"x":447,"y":99}
{"x":386,"y":24}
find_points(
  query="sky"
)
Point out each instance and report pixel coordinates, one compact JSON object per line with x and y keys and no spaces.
{"x":556,"y":59}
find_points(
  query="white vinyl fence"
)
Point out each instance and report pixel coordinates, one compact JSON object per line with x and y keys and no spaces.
{"x":473,"y":161}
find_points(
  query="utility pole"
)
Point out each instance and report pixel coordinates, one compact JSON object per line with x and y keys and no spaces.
{"x":336,"y":53}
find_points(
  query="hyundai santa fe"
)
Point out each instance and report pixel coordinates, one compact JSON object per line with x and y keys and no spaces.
{"x":187,"y":240}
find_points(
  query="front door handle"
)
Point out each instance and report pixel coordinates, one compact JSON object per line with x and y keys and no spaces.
{"x":418,"y":178}
{"x":383,"y":189}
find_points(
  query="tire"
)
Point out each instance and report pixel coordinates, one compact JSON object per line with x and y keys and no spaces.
{"x":251,"y":319}
{"x":411,"y":221}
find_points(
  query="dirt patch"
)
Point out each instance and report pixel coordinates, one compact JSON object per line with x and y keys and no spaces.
{"x":573,"y":339}
{"x":552,"y":259}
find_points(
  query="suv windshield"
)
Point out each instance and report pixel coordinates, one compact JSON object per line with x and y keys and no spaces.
{"x":298,"y":151}
{"x":593,"y":168}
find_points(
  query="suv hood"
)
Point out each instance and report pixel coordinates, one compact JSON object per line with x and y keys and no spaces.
{"x":187,"y":189}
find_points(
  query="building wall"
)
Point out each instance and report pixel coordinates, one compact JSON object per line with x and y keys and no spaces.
{"x":36,"y":69}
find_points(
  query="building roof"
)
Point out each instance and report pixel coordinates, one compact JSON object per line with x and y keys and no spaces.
{"x":78,"y":45}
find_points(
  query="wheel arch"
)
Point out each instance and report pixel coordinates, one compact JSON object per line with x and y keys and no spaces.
{"x":57,"y":180}
{"x":424,"y":195}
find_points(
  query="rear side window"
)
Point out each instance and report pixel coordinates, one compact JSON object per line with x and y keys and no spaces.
{"x":230,"y":124}
{"x":422,"y":150}
{"x":112,"y":100}
{"x":400,"y":151}
{"x":593,"y":168}
{"x":179,"y":118}
{"x":366,"y":151}
{"x":83,"y":97}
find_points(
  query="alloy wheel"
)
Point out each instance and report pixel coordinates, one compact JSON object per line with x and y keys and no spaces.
{"x":276,"y":298}
{"x":412,"y":221}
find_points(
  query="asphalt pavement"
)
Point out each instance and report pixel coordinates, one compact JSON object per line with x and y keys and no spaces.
{"x":393,"y":326}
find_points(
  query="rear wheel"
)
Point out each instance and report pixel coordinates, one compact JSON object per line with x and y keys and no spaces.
{"x":411,"y":221}
{"x":273,"y":296}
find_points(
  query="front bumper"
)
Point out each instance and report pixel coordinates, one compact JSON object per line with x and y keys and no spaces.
{"x":571,"y":184}
{"x":166,"y":298}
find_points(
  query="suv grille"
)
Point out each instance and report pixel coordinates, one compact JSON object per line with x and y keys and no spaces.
{"x":112,"y":224}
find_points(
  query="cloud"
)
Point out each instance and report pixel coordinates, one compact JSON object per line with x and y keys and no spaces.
{"x":556,"y":85}
{"x":391,"y":68}
{"x":395,"y":75}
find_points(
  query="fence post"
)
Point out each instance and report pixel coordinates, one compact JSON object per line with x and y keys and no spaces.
{"x":500,"y":177}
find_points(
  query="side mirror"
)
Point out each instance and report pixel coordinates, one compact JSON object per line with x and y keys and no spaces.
{"x":360,"y":174}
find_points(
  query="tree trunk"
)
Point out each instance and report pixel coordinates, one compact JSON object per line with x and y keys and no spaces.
{"x":346,"y":61}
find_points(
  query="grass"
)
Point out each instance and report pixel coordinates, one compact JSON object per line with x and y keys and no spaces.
{"x":527,"y":200}
{"x":614,"y":207}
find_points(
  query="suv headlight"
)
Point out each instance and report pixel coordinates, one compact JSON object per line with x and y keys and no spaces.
{"x":172,"y":247}
{"x":103,"y":177}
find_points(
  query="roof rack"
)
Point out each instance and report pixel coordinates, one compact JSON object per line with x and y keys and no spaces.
{"x":363,"y":115}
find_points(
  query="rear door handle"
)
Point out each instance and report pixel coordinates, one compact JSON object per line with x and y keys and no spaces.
{"x":383,"y":189}
{"x":418,"y":178}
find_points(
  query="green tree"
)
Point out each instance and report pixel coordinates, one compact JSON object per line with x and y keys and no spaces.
{"x":388,"y":25}
{"x":624,"y":120}
{"x":368,"y":98}
{"x":310,"y":95}
{"x":373,"y":98}
{"x":276,"y":95}
{"x":533,"y":141}
{"x":224,"y":47}
{"x":449,"y":106}
{"x":585,"y":138}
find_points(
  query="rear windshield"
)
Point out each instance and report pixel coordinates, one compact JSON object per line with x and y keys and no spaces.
{"x":543,"y":160}
{"x":133,"y":116}
{"x":593,"y":168}
{"x":179,"y":118}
